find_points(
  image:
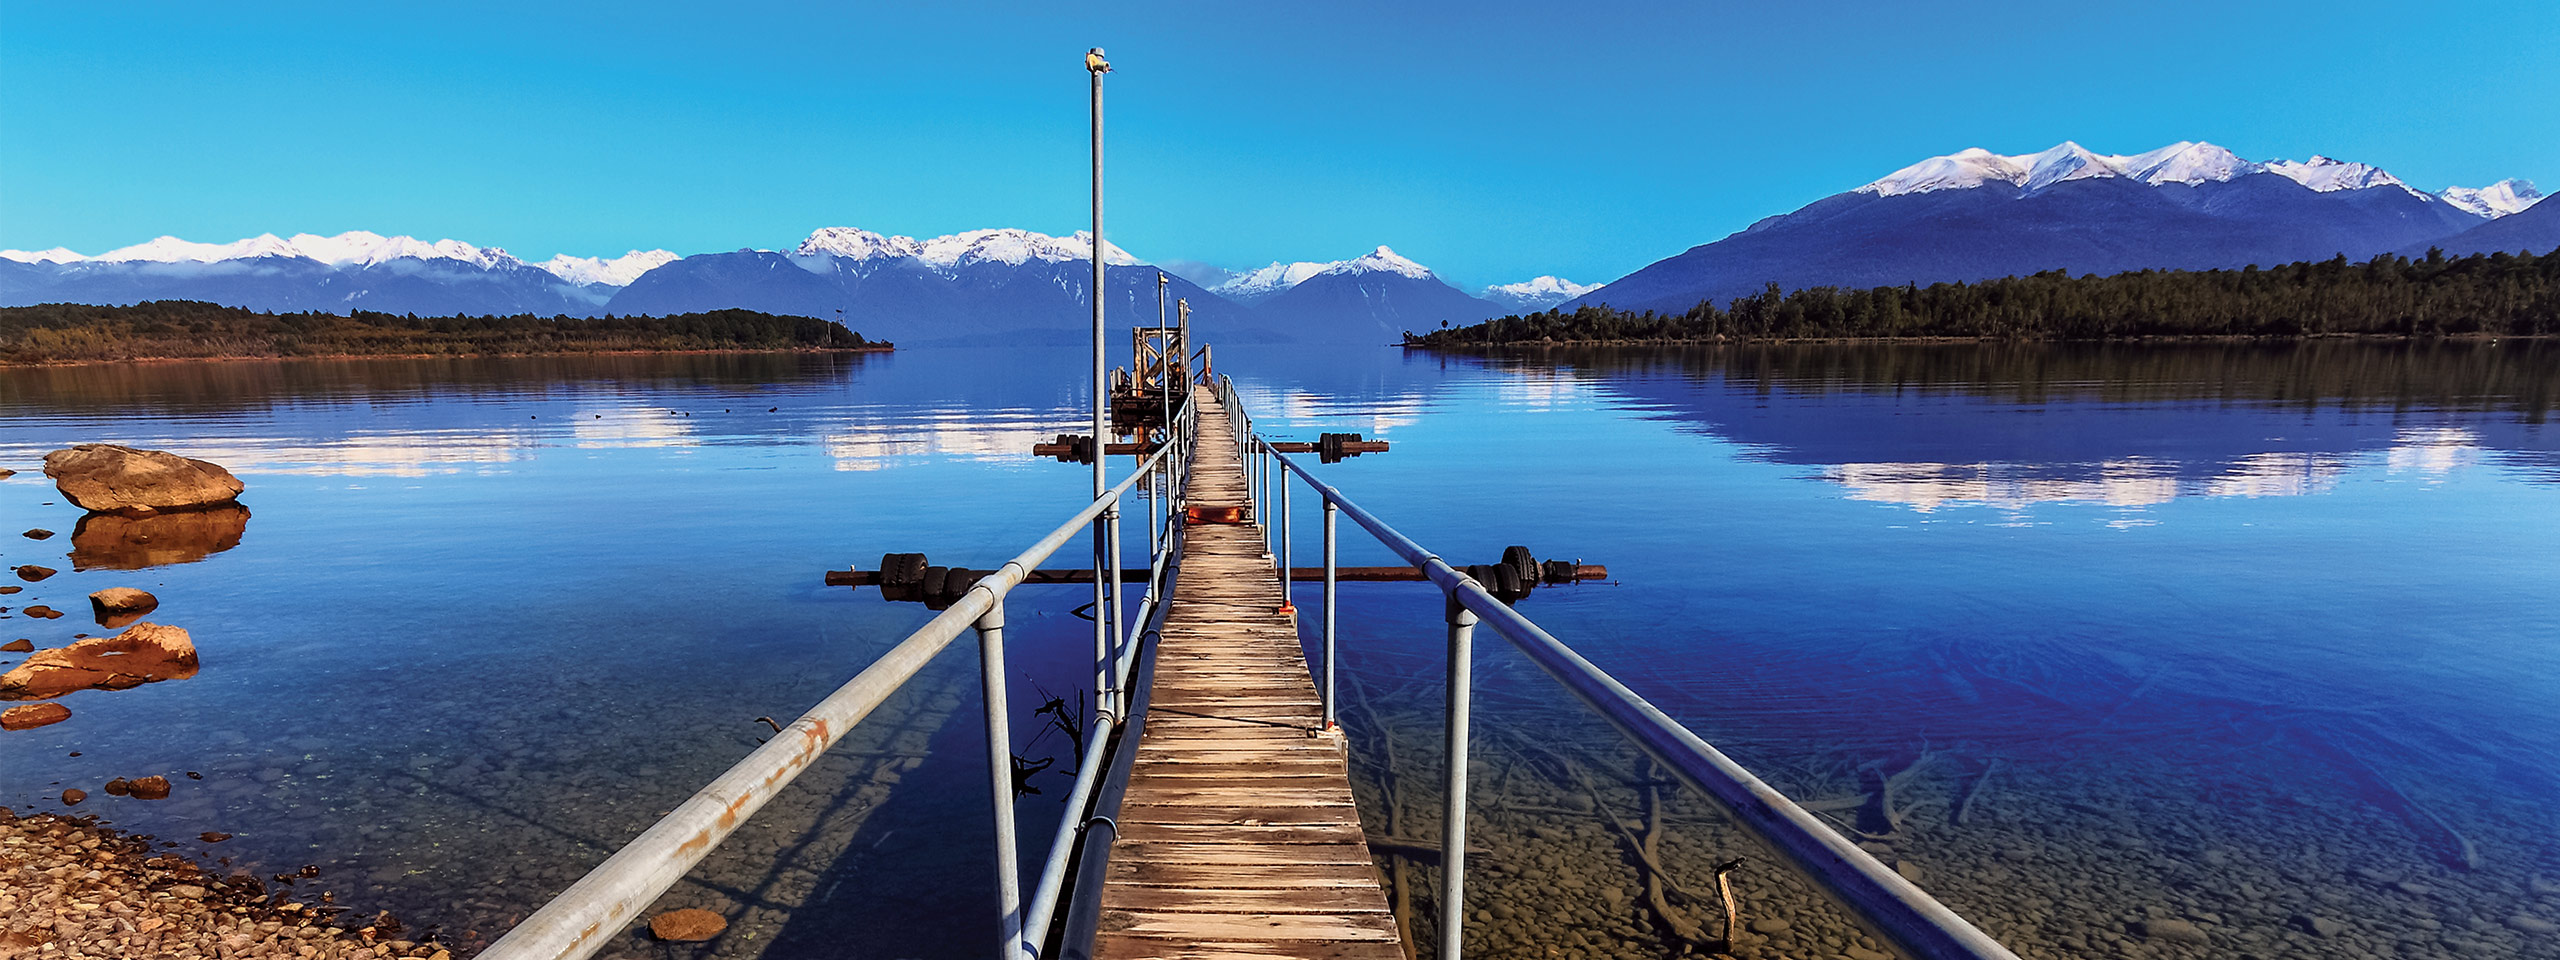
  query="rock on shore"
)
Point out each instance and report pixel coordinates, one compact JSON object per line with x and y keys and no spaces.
{"x":145,"y":653}
{"x":106,"y":478}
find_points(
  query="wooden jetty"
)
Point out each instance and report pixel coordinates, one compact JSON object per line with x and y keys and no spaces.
{"x":1237,"y":837}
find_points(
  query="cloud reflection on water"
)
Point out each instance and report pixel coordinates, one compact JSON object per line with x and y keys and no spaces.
{"x":2137,"y":482}
{"x":417,"y":453}
{"x":983,"y":436}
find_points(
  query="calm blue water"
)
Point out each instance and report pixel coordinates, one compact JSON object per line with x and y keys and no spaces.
{"x":2241,"y":638}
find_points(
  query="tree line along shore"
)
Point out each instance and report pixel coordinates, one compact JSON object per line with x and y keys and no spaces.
{"x":2502,"y":294}
{"x":188,"y":329}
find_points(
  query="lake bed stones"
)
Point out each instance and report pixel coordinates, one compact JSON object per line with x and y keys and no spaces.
{"x":689,"y":925}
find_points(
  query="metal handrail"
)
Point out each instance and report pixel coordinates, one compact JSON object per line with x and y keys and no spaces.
{"x":583,"y":918}
{"x":1880,"y":899}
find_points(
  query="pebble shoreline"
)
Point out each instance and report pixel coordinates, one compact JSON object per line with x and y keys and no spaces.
{"x":72,"y":888}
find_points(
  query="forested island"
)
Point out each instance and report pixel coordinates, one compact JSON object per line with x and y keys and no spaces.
{"x":2499,"y":294}
{"x":189,"y":329}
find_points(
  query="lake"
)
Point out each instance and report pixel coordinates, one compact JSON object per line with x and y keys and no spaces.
{"x":2132,"y":650}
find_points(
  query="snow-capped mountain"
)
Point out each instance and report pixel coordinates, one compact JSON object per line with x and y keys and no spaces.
{"x":1976,"y":215}
{"x":356,"y":270}
{"x":1263,"y":283}
{"x":1379,"y":294}
{"x":614,"y":272}
{"x":966,"y":287}
{"x":1255,"y":286}
{"x":1529,"y":296}
{"x":2535,"y":229}
{"x":1006,"y":246}
{"x":2495,"y":200}
{"x":2185,"y":162}
{"x":2324,"y":175}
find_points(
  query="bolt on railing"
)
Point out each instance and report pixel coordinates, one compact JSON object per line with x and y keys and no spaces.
{"x":1882,"y":901}
{"x":582,"y":919}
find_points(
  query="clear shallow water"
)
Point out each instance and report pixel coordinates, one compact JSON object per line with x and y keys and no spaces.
{"x":2245,"y":638}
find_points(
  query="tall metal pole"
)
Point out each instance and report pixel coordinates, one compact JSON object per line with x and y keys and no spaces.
{"x":1103,"y":615}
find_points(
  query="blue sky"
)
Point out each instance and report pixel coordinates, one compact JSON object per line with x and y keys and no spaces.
{"x":1493,"y":141}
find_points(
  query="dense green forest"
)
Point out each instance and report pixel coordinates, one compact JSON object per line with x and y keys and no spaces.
{"x":2498,"y":294}
{"x":68,"y":332}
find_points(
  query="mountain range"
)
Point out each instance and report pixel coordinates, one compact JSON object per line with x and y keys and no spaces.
{"x":1977,"y":215}
{"x":350,"y":271}
{"x":1016,"y":285}
{"x":1970,"y":215}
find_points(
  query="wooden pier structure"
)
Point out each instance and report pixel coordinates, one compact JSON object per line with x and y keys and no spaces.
{"x":1224,"y":829}
{"x":1237,"y":836}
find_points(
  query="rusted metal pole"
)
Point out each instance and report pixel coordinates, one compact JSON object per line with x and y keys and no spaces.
{"x":1073,"y":575}
{"x":1127,"y":448}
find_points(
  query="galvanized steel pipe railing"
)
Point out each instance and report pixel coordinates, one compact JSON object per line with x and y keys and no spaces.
{"x":582,"y":919}
{"x":1074,"y":824}
{"x":1891,"y":907}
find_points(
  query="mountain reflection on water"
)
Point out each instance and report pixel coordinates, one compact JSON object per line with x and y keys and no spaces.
{"x":1933,"y":425}
{"x":2238,"y":636}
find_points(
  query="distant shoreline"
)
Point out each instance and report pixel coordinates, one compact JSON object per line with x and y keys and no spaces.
{"x":1469,"y":346}
{"x":173,"y":330}
{"x":250,"y":357}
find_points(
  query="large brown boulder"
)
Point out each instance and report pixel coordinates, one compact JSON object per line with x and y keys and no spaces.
{"x":111,"y":542}
{"x":146,"y":653}
{"x":107,"y":478}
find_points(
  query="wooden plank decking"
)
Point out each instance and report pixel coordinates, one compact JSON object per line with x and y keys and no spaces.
{"x":1238,"y":839}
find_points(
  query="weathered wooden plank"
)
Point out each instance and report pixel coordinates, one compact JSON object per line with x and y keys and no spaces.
{"x":1232,"y":900}
{"x":1270,"y":876}
{"x":1139,"y":831}
{"x":1376,"y":927}
{"x":1117,"y":947}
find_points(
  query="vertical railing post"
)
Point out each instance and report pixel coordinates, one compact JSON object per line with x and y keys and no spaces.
{"x":1112,"y":608}
{"x":1330,"y":512}
{"x":1101,"y":627}
{"x":1282,"y":478}
{"x":1453,"y":826}
{"x":1000,"y":777}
